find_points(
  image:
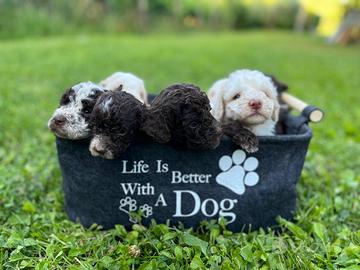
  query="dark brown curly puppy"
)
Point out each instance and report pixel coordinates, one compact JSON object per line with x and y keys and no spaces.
{"x":115,"y":119}
{"x":181,"y":114}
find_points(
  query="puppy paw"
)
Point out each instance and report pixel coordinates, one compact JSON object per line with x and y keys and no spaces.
{"x":146,"y":210}
{"x":249,"y":143}
{"x":251,"y":148}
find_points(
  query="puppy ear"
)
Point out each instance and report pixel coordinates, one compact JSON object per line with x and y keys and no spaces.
{"x":96,"y":94}
{"x":155,"y":125}
{"x":216,"y":94}
{"x":143,"y":95}
{"x":65,"y":98}
{"x":280,"y":86}
{"x":276,"y":111}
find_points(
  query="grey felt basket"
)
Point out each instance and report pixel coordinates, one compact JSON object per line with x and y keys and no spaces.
{"x":160,"y":182}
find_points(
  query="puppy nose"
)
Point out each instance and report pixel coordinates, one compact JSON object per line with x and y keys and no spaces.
{"x":255,"y":104}
{"x":59,"y":120}
{"x":99,"y":150}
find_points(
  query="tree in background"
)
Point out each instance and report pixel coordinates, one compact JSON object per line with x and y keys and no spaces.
{"x":338,"y":19}
{"x":142,"y":13}
{"x":20,"y":18}
{"x":349,"y":28}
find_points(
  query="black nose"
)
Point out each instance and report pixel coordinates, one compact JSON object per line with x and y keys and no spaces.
{"x":59,"y":120}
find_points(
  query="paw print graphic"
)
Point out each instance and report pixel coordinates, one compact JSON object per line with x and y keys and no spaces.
{"x":146,"y":210}
{"x":238,"y":172}
{"x":133,"y":219}
{"x":127,"y":205}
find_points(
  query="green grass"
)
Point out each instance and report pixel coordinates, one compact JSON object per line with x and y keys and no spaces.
{"x":34,"y":230}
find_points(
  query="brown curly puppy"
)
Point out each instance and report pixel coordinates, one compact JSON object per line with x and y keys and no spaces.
{"x":115,"y":119}
{"x":181,"y":114}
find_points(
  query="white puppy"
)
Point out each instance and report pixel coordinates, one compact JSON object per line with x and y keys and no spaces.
{"x":130,"y":84}
{"x":249,"y":97}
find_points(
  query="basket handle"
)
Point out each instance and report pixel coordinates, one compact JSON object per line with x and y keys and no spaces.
{"x":311,"y":113}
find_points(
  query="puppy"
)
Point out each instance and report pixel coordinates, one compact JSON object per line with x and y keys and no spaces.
{"x":130,"y":84}
{"x":71,"y":119}
{"x":181,"y":114}
{"x":116,"y":118}
{"x":249,"y":97}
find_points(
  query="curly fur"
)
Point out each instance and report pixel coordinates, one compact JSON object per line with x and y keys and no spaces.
{"x":181,"y":114}
{"x":116,"y":118}
{"x":241,"y":136}
{"x":71,"y":119}
{"x":231,"y":99}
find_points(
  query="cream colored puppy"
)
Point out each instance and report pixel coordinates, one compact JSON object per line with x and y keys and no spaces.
{"x":249,"y":97}
{"x":130,"y":84}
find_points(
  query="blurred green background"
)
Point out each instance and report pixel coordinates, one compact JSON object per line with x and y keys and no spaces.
{"x":24,"y":18}
{"x":47,"y":46}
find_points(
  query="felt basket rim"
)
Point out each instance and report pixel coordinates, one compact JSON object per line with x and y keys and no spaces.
{"x":304,"y":134}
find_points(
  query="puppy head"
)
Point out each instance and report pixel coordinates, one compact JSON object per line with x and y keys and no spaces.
{"x":248,"y":96}
{"x":181,"y":113}
{"x":71,"y":119}
{"x":115,"y":120}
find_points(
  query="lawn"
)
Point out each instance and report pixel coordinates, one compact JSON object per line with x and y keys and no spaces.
{"x":34,"y":230}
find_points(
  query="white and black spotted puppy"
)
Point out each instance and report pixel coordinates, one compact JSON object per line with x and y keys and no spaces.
{"x":71,"y":119}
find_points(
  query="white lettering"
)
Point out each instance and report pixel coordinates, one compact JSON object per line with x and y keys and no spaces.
{"x":209,"y":207}
{"x":162,"y":167}
{"x":215,"y":207}
{"x":191,"y":178}
{"x":132,"y":188}
{"x":137,"y":167}
{"x":178,"y":212}
{"x":223,"y":208}
{"x":161,"y":200}
{"x":129,"y":188}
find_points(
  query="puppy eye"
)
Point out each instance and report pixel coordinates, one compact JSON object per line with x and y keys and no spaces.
{"x":85,"y":102}
{"x":236,"y":96}
{"x":87,"y":110}
{"x":267,"y":94}
{"x":86,"y":106}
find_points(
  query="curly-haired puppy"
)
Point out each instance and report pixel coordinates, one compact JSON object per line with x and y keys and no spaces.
{"x":71,"y":119}
{"x":129,"y":82}
{"x":116,"y":118}
{"x":181,"y":114}
{"x":249,"y":97}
